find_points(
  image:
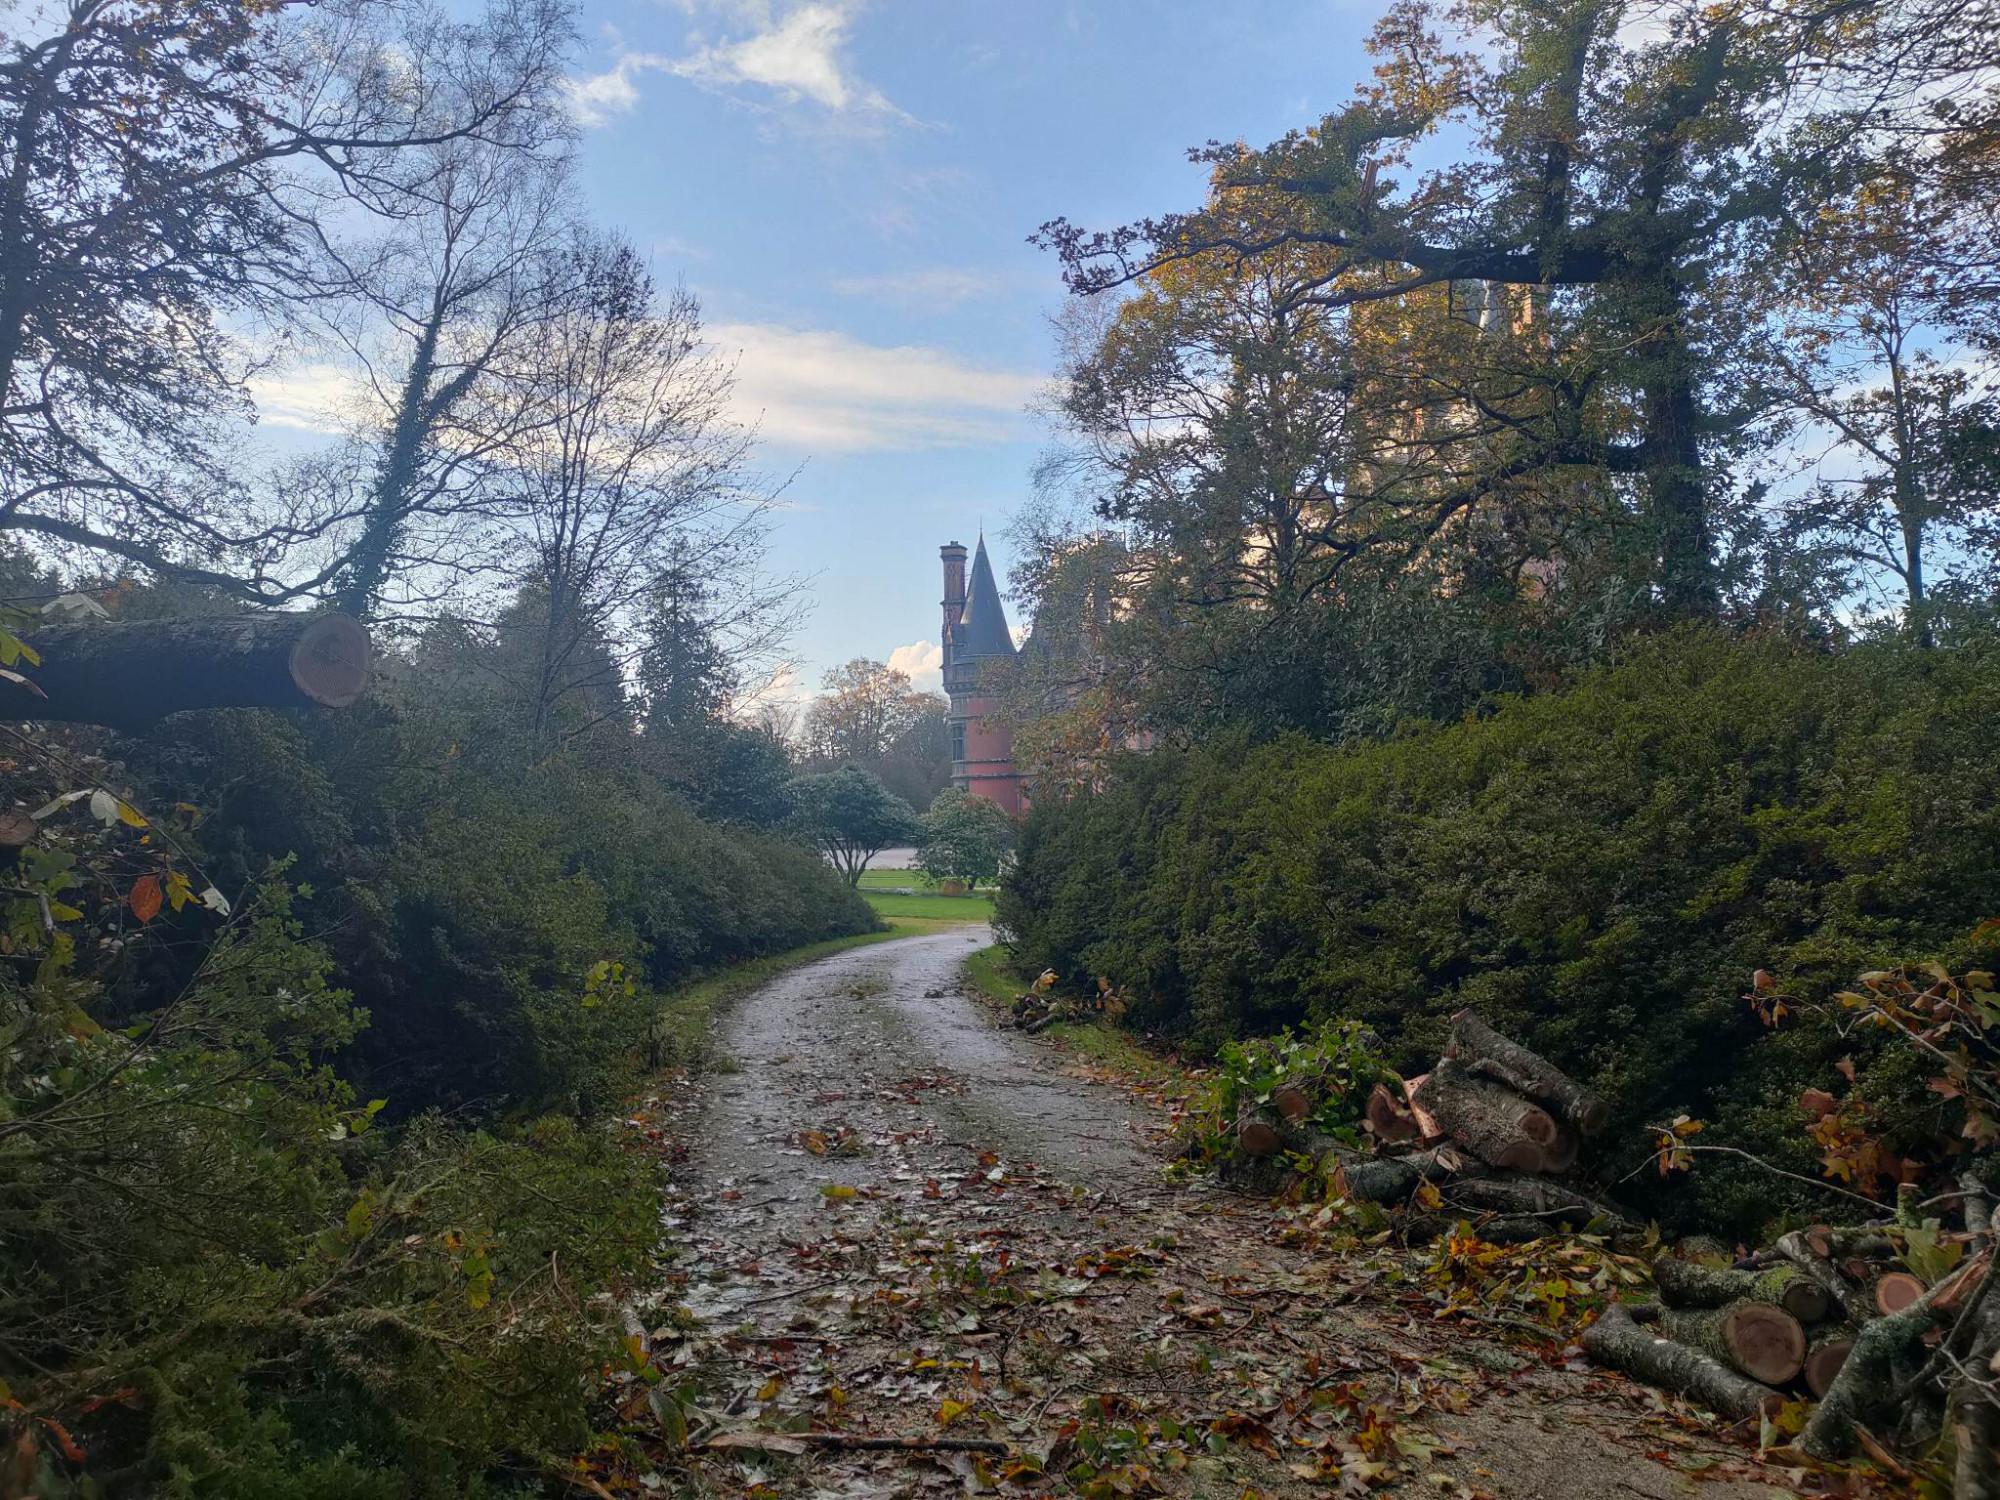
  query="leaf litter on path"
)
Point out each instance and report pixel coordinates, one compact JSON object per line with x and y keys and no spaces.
{"x":916,"y":1256}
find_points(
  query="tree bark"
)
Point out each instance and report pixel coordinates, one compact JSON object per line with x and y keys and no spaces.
{"x":1797,"y":1247}
{"x":1616,"y":1341}
{"x":1684,"y":1283}
{"x":130,"y":673}
{"x":1478,"y":1048}
{"x":1491,"y":1121}
{"x":1532,"y":1197}
{"x":1758,"y":1339}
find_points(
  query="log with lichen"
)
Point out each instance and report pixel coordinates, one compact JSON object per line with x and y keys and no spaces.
{"x":1689,"y":1284}
{"x":1619,"y":1342}
{"x":1757,"y":1339}
{"x":1487,"y":1119}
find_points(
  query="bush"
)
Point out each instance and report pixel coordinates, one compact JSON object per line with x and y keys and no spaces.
{"x":1598,"y":870}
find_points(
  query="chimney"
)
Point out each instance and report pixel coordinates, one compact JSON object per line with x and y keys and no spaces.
{"x":953,"y":556}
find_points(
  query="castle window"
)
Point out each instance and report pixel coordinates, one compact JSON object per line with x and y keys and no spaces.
{"x":958,"y":741}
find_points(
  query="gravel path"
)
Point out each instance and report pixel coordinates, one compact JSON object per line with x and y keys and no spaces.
{"x":902,"y":1220}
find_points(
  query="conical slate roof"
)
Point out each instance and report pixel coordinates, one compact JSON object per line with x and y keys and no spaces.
{"x":982,"y":629}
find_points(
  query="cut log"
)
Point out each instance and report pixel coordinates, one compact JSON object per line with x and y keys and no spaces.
{"x":1685,"y":1283}
{"x":1617,"y":1342}
{"x":1895,"y":1290}
{"x":1874,"y":1382}
{"x":1428,"y":1128}
{"x":128,"y":674}
{"x":1527,"y":1195}
{"x":1491,"y":1121}
{"x":1255,"y":1137}
{"x":1560,"y":1155}
{"x":1388,"y":1117}
{"x":1391,"y":1179}
{"x":1292,"y":1102}
{"x":1824,"y":1358}
{"x":1479,"y":1048}
{"x":1797,"y":1247}
{"x":1757,"y":1339}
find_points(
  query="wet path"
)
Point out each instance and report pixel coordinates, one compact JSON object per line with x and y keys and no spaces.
{"x":902,"y":1223}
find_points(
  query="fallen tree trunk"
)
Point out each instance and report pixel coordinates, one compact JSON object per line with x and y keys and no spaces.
{"x":127,"y":674}
{"x":1491,"y":1121}
{"x":1479,"y":1048}
{"x":1685,"y":1283}
{"x":1756,"y":1339}
{"x":1617,"y":1342}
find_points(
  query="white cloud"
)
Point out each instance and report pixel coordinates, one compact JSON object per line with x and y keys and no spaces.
{"x":309,"y":398}
{"x":936,"y":287}
{"x":595,"y":99}
{"x":799,"y":55}
{"x":922,"y":662}
{"x":825,"y":391}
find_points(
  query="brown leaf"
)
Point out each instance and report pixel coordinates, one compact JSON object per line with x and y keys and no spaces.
{"x":146,"y":898}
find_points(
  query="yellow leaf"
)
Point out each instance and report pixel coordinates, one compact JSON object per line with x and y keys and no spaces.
{"x":768,"y":1391}
{"x":840,"y":1192}
{"x":950,"y":1411}
{"x":130,"y":815}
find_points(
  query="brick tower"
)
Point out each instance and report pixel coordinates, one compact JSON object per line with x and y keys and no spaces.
{"x":977,"y":646}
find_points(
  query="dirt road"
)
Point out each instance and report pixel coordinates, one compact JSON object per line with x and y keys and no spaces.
{"x":903,"y":1222}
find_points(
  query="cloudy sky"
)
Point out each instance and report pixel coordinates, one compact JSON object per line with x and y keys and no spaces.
{"x":849,"y":184}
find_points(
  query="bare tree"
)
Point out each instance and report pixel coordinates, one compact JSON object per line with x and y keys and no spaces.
{"x":624,"y":468}
{"x":164,"y":169}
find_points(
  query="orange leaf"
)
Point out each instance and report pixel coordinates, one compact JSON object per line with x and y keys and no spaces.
{"x":145,"y":898}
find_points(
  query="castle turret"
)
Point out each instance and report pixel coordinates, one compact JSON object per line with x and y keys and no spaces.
{"x":978,"y":645}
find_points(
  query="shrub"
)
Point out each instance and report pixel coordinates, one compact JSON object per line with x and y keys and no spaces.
{"x":1598,"y":870}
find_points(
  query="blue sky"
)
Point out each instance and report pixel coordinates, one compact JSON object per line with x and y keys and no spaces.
{"x":849,"y":186}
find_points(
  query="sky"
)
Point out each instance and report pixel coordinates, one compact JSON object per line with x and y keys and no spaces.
{"x":848,"y":186}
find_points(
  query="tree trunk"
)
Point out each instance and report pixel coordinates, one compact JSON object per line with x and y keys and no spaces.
{"x":1617,"y":1341}
{"x":1478,"y":1048}
{"x":131,"y":673}
{"x":1683,"y":1283}
{"x":1758,"y":1339}
{"x":1527,"y":1196}
{"x":1495,"y":1124}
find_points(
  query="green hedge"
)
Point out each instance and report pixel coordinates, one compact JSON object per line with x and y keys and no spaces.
{"x":1599,"y":871}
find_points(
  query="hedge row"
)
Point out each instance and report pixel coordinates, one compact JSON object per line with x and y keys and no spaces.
{"x":1599,"y":871}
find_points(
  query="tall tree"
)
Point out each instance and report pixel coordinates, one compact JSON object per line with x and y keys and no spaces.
{"x":1911,"y":471}
{"x":126,"y":253}
{"x":624,"y":466}
{"x":1612,"y":187}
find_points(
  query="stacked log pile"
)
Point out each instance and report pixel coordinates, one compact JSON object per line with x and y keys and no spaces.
{"x":1487,"y":1135}
{"x":1830,"y":1315}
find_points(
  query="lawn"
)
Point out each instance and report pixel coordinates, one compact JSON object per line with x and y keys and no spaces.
{"x":911,"y":895}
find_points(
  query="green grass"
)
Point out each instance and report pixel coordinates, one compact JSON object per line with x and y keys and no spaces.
{"x":883,"y":890}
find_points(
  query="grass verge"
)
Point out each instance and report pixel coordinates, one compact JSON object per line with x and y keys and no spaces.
{"x":1096,"y":1041}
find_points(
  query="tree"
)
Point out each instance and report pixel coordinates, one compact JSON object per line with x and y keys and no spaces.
{"x":624,"y":467}
{"x":964,"y":838}
{"x":1612,"y":192}
{"x":128,"y":256}
{"x":850,"y":817}
{"x":1875,"y":295}
{"x":454,"y":294}
{"x":864,"y":709}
